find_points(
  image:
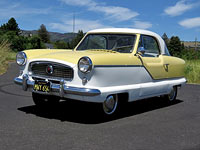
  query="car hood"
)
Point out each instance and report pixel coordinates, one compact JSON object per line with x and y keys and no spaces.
{"x":100,"y":57}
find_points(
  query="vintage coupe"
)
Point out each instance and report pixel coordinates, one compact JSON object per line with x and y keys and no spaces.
{"x":107,"y":66}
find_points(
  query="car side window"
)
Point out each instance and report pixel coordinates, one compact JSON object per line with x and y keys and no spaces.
{"x":124,"y":44}
{"x":150,"y":45}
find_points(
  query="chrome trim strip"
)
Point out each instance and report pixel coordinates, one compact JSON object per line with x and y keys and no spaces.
{"x":18,"y":81}
{"x":49,"y":62}
{"x":81,"y":91}
{"x":118,"y":66}
{"x":59,"y":89}
{"x":44,"y":78}
{"x":55,"y":87}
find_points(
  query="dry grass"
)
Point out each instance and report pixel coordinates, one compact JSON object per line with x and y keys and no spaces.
{"x":6,"y":55}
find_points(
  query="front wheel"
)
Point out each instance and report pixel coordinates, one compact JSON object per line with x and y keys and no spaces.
{"x":45,"y":100}
{"x":172,"y":95}
{"x":110,"y":105}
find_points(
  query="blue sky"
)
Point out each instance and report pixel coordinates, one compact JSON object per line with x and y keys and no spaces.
{"x":174,"y":17}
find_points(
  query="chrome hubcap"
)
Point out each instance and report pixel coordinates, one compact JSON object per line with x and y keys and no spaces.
{"x":172,"y":94}
{"x":110,"y":104}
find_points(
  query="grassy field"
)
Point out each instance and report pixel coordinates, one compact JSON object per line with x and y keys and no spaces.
{"x":6,"y":55}
{"x":192,"y":71}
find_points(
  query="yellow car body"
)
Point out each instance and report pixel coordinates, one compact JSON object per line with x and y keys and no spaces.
{"x":154,"y":65}
{"x":137,"y":73}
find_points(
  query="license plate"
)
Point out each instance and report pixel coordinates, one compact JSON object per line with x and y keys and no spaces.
{"x":42,"y":86}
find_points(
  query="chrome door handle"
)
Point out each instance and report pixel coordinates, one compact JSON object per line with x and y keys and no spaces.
{"x":166,"y":67}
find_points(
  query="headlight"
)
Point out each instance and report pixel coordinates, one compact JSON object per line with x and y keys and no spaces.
{"x":21,"y":58}
{"x":85,"y":64}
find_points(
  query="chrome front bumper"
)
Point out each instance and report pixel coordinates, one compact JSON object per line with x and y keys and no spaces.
{"x":57,"y":89}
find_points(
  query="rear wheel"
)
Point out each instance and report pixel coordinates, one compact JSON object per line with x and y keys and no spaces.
{"x":45,"y":100}
{"x":172,"y":95}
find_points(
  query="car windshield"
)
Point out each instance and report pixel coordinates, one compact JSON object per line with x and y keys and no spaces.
{"x":122,"y":43}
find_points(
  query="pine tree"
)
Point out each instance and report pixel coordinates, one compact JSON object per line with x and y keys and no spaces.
{"x":43,"y":34}
{"x":77,"y":39}
{"x":175,"y":46}
{"x":11,"y":26}
{"x":165,"y":38}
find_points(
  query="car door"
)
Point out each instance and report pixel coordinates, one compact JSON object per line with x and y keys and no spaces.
{"x":151,"y":59}
{"x":154,"y":64}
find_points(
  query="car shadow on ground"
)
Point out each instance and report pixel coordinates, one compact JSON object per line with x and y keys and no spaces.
{"x":90,"y":113}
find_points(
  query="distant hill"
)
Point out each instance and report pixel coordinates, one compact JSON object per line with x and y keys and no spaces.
{"x":54,"y":36}
{"x":194,"y":45}
{"x":191,"y":44}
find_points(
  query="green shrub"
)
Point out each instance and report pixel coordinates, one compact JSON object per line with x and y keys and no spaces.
{"x":190,"y":54}
{"x":192,"y":71}
{"x":61,"y":45}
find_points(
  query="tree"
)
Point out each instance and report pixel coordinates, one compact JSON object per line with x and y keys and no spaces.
{"x":11,"y":26}
{"x":10,"y":32}
{"x":18,"y":43}
{"x":76,"y":40}
{"x":175,"y":46}
{"x":34,"y":42}
{"x":60,"y":45}
{"x":43,"y":34}
{"x":3,"y":28}
{"x":165,"y":38}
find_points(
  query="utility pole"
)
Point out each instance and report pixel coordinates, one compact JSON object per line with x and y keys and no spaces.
{"x":73,"y":30}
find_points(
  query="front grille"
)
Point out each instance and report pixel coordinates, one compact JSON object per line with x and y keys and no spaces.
{"x":43,"y":79}
{"x":60,"y":71}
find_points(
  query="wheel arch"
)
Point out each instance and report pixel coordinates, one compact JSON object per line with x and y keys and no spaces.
{"x":123,"y":97}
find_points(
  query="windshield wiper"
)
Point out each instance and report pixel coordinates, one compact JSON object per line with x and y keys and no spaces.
{"x":105,"y":50}
{"x":120,"y":48}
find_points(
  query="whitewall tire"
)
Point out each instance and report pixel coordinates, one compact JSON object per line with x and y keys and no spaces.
{"x":110,"y":105}
{"x":172,"y":95}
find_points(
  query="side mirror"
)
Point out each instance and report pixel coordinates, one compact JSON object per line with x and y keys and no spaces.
{"x":141,"y":50}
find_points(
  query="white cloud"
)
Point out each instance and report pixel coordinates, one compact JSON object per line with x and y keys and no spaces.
{"x":112,"y":12}
{"x":116,"y":13}
{"x":80,"y":24}
{"x":80,"y":2}
{"x":178,"y":9}
{"x":17,"y":10}
{"x":142,"y":25}
{"x":191,"y":22}
{"x":60,"y":27}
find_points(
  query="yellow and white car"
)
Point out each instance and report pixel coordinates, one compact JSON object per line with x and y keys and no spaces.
{"x":107,"y":66}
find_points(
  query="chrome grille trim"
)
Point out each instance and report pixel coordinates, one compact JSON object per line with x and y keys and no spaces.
{"x":61,"y":71}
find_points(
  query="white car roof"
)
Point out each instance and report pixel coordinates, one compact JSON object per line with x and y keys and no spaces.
{"x":134,"y":31}
{"x":122,"y":30}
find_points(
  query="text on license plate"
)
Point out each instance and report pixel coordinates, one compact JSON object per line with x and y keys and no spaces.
{"x":42,"y":86}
